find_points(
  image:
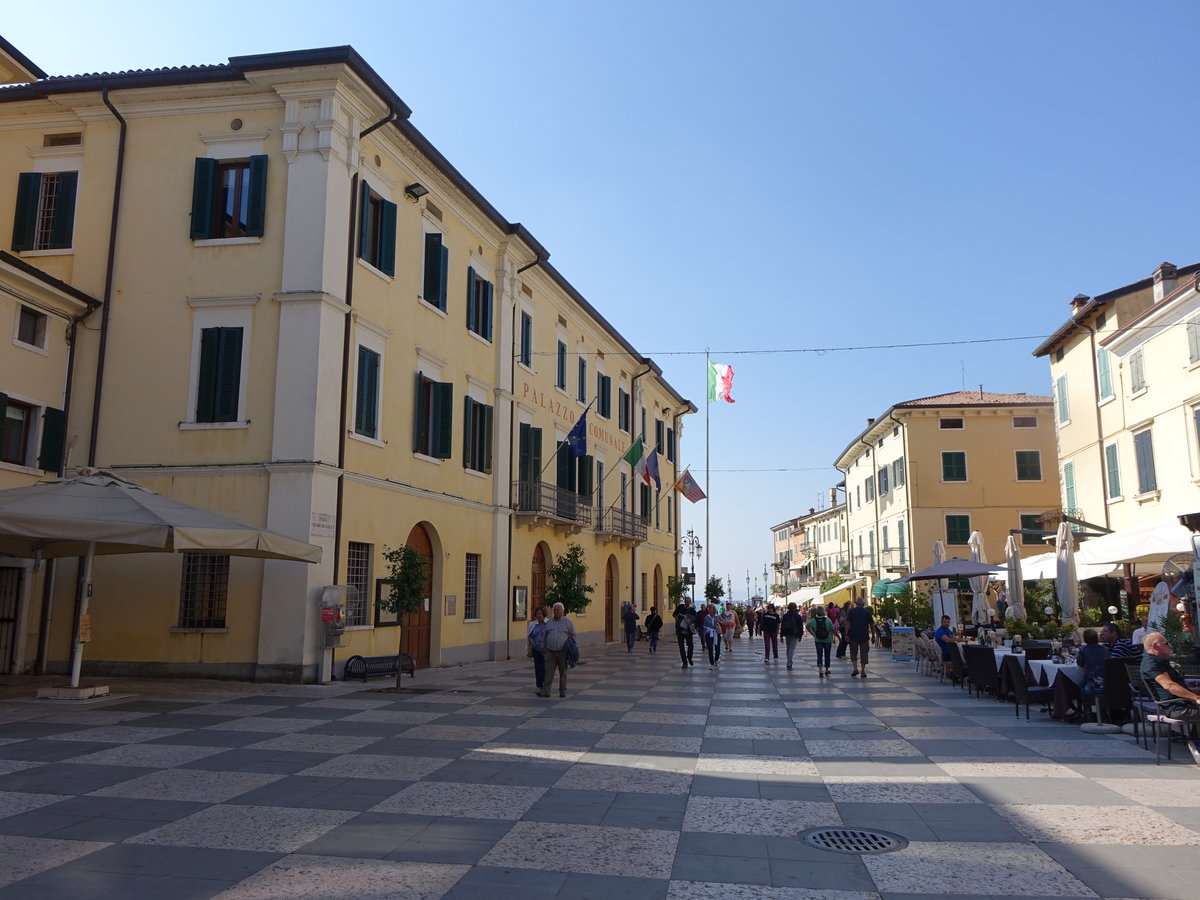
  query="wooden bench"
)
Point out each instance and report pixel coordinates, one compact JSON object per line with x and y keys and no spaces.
{"x":365,"y":667}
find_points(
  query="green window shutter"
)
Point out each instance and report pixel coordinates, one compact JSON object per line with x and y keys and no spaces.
{"x":1143,"y":444}
{"x":366,"y":409}
{"x":525,"y":470}
{"x":206,"y":389}
{"x":471,"y":298}
{"x":229,"y":374}
{"x":256,"y":206}
{"x":566,"y":467}
{"x":1105,"y":373}
{"x":1069,"y":485}
{"x":29,"y":186}
{"x":443,"y":418}
{"x":487,"y":310}
{"x":1112,"y":465}
{"x":535,"y":444}
{"x":387,"y":239}
{"x":432,"y":287}
{"x":3,"y":411}
{"x":468,"y":433}
{"x":585,"y":481}
{"x":364,"y":221}
{"x":204,"y":192}
{"x":487,"y":425}
{"x":420,"y":417}
{"x":53,"y":427}
{"x":444,"y":276}
{"x":63,"y":226}
{"x":1193,"y":339}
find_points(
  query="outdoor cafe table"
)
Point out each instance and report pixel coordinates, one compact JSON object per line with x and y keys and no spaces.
{"x":1067,"y":688}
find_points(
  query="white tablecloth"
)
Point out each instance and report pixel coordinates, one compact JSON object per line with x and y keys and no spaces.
{"x":1074,"y":671}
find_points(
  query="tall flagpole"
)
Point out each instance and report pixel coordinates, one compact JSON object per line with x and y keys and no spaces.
{"x":707,"y":489}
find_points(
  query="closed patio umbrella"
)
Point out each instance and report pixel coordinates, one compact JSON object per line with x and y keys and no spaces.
{"x":96,"y":512}
{"x":1066,"y":582}
{"x":1016,"y":581}
{"x":979,"y":583}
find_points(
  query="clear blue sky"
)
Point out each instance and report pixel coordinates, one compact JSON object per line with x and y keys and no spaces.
{"x":772,"y":176}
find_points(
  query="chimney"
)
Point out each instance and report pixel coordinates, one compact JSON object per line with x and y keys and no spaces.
{"x":812,"y":510}
{"x":1078,"y":302}
{"x":1164,"y":281}
{"x":832,"y":497}
{"x":870,"y":422}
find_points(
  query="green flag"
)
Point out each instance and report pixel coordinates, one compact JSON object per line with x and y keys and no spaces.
{"x":634,"y":454}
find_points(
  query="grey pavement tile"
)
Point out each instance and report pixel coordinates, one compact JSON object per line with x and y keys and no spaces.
{"x":316,"y":743}
{"x":1042,"y":790}
{"x":475,"y":801}
{"x":571,"y":807}
{"x":34,"y":730}
{"x":623,"y":778}
{"x":63,"y":882}
{"x":307,"y":792}
{"x":369,"y":835}
{"x":695,"y":866}
{"x":973,"y":822}
{"x":894,"y":817}
{"x":698,"y":890}
{"x":406,"y":746}
{"x":842,"y":873}
{"x":249,"y":759}
{"x":727,"y":815}
{"x":317,"y":713}
{"x":153,"y":756}
{"x":1150,"y":872}
{"x":1083,"y":824}
{"x":974,"y":750}
{"x":602,"y":887}
{"x":1006,"y":870}
{"x":48,"y":751}
{"x":187,"y":784}
{"x":493,"y":771}
{"x":204,"y":738}
{"x":307,"y":876}
{"x":74,"y":778}
{"x":155,"y":706}
{"x":274,"y":829}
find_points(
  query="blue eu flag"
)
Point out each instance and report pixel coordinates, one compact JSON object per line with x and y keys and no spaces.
{"x":577,"y":438}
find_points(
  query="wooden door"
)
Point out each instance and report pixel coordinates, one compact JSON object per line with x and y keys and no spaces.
{"x":537,"y":581}
{"x":610,"y":601}
{"x":416,"y":628}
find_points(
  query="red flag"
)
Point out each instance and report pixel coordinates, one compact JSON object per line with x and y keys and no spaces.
{"x":687,"y":486}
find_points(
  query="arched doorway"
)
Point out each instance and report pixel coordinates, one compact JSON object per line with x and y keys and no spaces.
{"x":610,"y":599}
{"x":415,"y":628}
{"x":537,"y":578}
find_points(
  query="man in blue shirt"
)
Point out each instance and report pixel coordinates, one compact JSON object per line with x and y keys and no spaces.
{"x":1118,"y":646}
{"x":945,"y":637}
{"x":861,"y":633}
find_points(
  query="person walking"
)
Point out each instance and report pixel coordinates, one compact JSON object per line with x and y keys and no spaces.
{"x":820,"y":626}
{"x":728,"y":624}
{"x":751,"y":620}
{"x":654,"y":624}
{"x":630,"y":617}
{"x":536,"y":638}
{"x":842,"y":625}
{"x":685,"y":622}
{"x":559,"y":630}
{"x":792,"y":629}
{"x":769,"y":625}
{"x":860,"y":629}
{"x":712,"y":636}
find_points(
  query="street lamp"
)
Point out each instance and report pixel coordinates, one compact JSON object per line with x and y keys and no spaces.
{"x":692,"y":543}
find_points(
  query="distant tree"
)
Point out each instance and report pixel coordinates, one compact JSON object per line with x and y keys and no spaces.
{"x":676,"y":590}
{"x":714,"y":590}
{"x":566,"y":581}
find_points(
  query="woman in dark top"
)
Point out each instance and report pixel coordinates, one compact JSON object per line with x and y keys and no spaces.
{"x":1091,"y":657}
{"x":768,"y":624}
{"x":654,"y":625}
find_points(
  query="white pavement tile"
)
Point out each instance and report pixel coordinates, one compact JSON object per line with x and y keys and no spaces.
{"x":1118,"y":825}
{"x":897,"y":789}
{"x":586,"y":777}
{"x":1151,"y":792}
{"x":117,"y":734}
{"x":697,"y":890}
{"x":387,"y":767}
{"x":656,"y":718}
{"x":1096,"y":747}
{"x":985,"y":868}
{"x":315,"y":743}
{"x":467,"y":801}
{"x":504,"y":751}
{"x":752,"y":732}
{"x":818,"y":721}
{"x":395,"y":716}
{"x":947,"y":733}
{"x":959,"y":769}
{"x":609,"y":850}
{"x":542,"y":723}
{"x":860,"y":749}
{"x":435,"y":732}
{"x":25,"y":856}
{"x":15,"y":802}
{"x":265,"y":725}
{"x":648,"y":742}
{"x":321,"y":877}
{"x":729,"y":815}
{"x":273,"y":829}
{"x":797,"y":767}
{"x":188,"y":784}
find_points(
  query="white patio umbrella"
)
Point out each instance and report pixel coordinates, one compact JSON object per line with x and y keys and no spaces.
{"x":939,"y":553}
{"x":1016,"y":582}
{"x":96,"y":512}
{"x":979,"y":584}
{"x":1045,"y":566}
{"x":1067,"y":580}
{"x":1150,"y":542}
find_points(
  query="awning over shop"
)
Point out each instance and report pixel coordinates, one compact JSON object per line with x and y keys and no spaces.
{"x":803,"y":595}
{"x":887,"y":587}
{"x":844,"y":586}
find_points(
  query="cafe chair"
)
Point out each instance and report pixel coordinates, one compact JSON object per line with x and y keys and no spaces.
{"x":1158,"y":718}
{"x":1022,"y":691}
{"x":1037,"y":651}
{"x":1142,"y":704}
{"x":981,"y":665}
{"x":1115,"y":697}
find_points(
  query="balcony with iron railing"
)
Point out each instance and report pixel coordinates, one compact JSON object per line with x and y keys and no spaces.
{"x":541,"y":503}
{"x":895,"y":558}
{"x":621,"y":525}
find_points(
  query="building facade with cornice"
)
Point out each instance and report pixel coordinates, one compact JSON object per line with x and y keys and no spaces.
{"x":310,"y":320}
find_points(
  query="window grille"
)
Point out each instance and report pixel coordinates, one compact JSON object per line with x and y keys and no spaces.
{"x":471,"y":587}
{"x":204,"y":590}
{"x":358,"y":576}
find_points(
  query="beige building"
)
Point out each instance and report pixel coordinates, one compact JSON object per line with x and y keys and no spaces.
{"x":810,"y":548}
{"x":310,"y":320}
{"x":941,"y":467}
{"x":1126,"y":374}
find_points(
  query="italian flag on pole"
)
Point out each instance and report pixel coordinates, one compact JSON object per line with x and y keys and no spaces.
{"x":720,"y":382}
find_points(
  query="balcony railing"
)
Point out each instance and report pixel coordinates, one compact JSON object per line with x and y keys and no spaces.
{"x":894,"y":558}
{"x":621,"y":523}
{"x":556,"y":505}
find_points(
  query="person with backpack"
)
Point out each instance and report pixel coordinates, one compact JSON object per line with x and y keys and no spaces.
{"x":792,"y":629}
{"x":712,"y":636}
{"x":685,"y":625}
{"x":768,"y":624}
{"x":654,"y":624}
{"x":843,"y":626}
{"x":820,"y":626}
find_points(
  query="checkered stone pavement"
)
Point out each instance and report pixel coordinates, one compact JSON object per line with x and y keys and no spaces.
{"x":647,"y":781}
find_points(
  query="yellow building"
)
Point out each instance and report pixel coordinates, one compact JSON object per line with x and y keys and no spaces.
{"x":312,"y":321}
{"x":1126,"y":373}
{"x":938,"y":468}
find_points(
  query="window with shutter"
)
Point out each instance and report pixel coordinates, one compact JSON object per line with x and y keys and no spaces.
{"x":883,"y":480}
{"x":1104,"y":373}
{"x":659,"y":436}
{"x":1032,"y":522}
{"x":437,"y":257}
{"x":671,"y":452}
{"x":219,"y":383}
{"x":377,"y":231}
{"x":433,"y":418}
{"x":1137,"y":371}
{"x":1069,"y":486}
{"x":582,"y":394}
{"x":1062,"y":405}
{"x":560,"y":372}
{"x":479,"y":305}
{"x":50,"y":457}
{"x":1029,"y":465}
{"x":1143,"y":445}
{"x":624,"y":419}
{"x":477,"y":435}
{"x":1112,"y":467}
{"x":44,"y":218}
{"x":366,"y":407}
{"x":526,"y":356}
{"x":229,"y":198}
{"x":958,"y":529}
{"x":954,"y":465}
{"x":1193,"y":339}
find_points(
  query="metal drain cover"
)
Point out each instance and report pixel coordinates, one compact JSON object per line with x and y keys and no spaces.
{"x":858,"y":727}
{"x":853,"y":840}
